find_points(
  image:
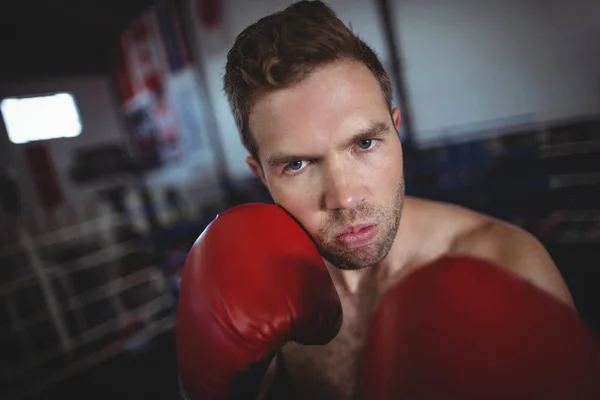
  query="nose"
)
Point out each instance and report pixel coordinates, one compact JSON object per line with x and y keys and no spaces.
{"x":342,"y":187}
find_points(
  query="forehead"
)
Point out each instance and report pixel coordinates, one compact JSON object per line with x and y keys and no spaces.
{"x":332,"y":103}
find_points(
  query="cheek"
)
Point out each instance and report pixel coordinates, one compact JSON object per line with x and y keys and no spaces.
{"x":303,"y":204}
{"x":385,"y":173}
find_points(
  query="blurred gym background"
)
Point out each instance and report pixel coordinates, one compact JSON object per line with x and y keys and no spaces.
{"x":117,"y":147}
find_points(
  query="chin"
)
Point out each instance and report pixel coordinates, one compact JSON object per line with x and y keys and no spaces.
{"x":352,"y":267}
{"x":354,"y":259}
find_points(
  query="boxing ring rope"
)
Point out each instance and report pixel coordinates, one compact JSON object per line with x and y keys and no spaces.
{"x":110,"y":289}
{"x":42,"y":277}
{"x":99,"y":331}
{"x":135,"y":301}
{"x":155,"y":328}
{"x":568,"y":149}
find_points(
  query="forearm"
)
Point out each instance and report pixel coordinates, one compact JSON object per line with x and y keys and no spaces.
{"x":277,"y":384}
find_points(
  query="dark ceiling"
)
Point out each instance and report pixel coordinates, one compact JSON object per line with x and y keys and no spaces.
{"x":40,"y":38}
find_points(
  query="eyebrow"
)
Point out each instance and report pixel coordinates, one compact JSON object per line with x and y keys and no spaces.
{"x":375,"y":131}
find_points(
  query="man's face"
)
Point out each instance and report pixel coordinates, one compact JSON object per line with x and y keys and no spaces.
{"x":331,"y":156}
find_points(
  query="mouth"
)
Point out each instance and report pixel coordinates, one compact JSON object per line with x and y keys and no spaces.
{"x":357,"y":236}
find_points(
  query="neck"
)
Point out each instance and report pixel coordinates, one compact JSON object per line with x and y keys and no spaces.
{"x":404,"y":251}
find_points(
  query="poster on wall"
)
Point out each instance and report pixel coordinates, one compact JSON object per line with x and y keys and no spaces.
{"x":186,"y":101}
{"x":154,"y":130}
{"x":148,"y":54}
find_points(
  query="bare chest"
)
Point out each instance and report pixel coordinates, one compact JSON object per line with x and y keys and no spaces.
{"x":331,"y":371}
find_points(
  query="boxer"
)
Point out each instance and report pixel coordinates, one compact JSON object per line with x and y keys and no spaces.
{"x":459,"y":327}
{"x":313,"y":104}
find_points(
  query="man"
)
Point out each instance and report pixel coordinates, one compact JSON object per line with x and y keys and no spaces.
{"x":314,"y":107}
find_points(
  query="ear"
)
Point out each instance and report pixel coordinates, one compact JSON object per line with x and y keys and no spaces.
{"x":396,"y":118}
{"x":256,"y":169}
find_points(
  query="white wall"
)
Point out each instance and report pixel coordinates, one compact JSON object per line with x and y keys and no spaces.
{"x":194,"y":173}
{"x":99,"y":125}
{"x":468,"y":61}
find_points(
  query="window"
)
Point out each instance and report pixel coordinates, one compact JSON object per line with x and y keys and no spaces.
{"x":40,"y":118}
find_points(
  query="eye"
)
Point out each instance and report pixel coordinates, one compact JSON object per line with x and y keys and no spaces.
{"x":366,"y":144}
{"x":295,"y":166}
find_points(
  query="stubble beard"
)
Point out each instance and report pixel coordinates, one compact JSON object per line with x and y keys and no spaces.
{"x":387,"y":219}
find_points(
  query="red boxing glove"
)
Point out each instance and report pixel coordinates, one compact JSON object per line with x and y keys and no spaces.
{"x":462,"y":328}
{"x":253,"y":281}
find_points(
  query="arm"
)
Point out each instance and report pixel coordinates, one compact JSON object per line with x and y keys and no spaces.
{"x":267,"y":382}
{"x":276,"y":384}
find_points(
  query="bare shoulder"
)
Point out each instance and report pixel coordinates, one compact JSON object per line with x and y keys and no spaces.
{"x":471,"y":233}
{"x":513,"y":248}
{"x":449,"y":219}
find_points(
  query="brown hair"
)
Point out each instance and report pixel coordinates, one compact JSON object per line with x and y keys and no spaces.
{"x":282,"y":49}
